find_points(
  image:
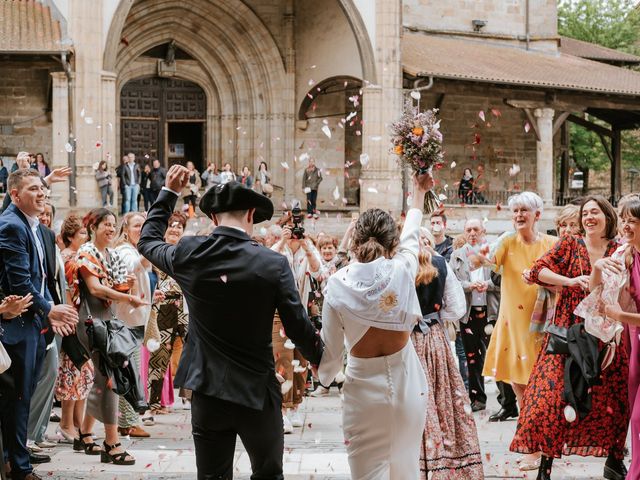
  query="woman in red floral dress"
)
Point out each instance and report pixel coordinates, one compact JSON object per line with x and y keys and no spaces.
{"x":542,"y":426}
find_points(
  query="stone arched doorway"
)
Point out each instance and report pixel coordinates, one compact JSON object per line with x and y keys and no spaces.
{"x":164,"y":118}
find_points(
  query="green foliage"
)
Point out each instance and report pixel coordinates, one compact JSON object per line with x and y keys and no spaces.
{"x":610,"y":23}
{"x":587,"y":150}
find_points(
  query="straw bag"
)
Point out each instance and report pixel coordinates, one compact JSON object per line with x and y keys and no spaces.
{"x":152,"y":332}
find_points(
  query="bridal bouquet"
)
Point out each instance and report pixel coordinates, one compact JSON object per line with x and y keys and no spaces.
{"x":417,"y":141}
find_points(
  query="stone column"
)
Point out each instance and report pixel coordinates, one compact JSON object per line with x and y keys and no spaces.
{"x":85,"y":24}
{"x":544,"y":154}
{"x":108,"y":130}
{"x":60,"y":130}
{"x":381,"y":184}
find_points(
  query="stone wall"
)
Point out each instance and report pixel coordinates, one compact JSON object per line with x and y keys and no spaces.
{"x":325,"y":45}
{"x":503,"y":17}
{"x":24,"y":116}
{"x":489,"y":148}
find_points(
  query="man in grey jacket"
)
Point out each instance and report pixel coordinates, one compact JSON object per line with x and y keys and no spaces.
{"x":482,"y":305}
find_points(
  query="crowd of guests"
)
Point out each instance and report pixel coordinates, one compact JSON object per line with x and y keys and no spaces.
{"x":509,"y":306}
{"x":139,"y":184}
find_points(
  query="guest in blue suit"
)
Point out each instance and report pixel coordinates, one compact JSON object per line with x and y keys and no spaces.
{"x":23,"y":272}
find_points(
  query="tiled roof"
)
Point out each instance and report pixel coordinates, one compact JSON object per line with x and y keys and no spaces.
{"x":592,"y":51}
{"x":26,"y":26}
{"x":480,"y":61}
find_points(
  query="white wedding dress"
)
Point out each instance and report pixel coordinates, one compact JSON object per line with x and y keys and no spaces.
{"x":384,"y":406}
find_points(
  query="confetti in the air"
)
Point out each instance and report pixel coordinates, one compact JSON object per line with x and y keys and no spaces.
{"x":481,"y":115}
{"x":326,"y":130}
{"x":336,"y":193}
{"x":372,"y":190}
{"x":527,"y":127}
{"x":364,"y":159}
{"x":285,"y":165}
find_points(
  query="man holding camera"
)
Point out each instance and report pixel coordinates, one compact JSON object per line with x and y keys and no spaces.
{"x":304,"y":261}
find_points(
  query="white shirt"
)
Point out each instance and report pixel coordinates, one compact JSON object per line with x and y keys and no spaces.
{"x":134,"y":317}
{"x":33,"y":224}
{"x":356,"y":299}
{"x":478,"y":299}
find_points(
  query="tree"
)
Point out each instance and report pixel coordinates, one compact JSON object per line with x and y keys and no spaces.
{"x":613,"y":24}
{"x":610,"y":23}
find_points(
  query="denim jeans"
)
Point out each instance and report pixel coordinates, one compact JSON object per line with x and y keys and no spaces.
{"x":131,"y":198}
{"x":462,"y":361}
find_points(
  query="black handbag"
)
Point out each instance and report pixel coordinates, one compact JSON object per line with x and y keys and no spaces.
{"x":558,"y":335}
{"x":75,"y":350}
{"x":557,"y":340}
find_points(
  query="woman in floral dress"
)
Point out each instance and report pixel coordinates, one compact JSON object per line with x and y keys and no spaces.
{"x":450,"y":449}
{"x":72,"y":385}
{"x":543,"y":426}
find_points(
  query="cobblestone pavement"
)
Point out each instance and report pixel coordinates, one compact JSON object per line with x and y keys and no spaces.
{"x":315,"y":451}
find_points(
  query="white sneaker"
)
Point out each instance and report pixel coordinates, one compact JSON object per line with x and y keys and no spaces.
{"x":46,"y":444}
{"x":296,"y":418}
{"x":32,"y":447}
{"x":286,"y":424}
{"x":320,"y":392}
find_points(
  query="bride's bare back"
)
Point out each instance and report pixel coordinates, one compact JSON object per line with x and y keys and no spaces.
{"x":379,"y":343}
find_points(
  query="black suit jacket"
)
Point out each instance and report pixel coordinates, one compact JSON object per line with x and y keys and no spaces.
{"x":233,"y":287}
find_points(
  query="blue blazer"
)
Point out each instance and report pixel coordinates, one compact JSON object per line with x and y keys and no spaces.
{"x":21,"y":273}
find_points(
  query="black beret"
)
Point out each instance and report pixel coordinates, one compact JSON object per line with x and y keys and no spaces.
{"x":234,"y":196}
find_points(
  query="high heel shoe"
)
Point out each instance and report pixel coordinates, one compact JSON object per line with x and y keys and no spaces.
{"x":614,"y":469}
{"x":116,"y":458}
{"x":89,"y":448}
{"x":544,"y":472}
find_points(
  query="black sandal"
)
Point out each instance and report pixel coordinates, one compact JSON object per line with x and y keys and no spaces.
{"x":89,"y":448}
{"x":116,"y":458}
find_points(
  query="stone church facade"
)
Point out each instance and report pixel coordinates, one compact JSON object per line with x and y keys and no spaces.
{"x":280,"y":81}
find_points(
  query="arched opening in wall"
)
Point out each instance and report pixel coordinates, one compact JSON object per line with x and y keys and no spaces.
{"x":164,"y":118}
{"x":330,"y":131}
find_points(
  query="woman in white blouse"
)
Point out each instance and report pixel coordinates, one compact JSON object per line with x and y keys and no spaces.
{"x":372,"y":307}
{"x":139,"y":267}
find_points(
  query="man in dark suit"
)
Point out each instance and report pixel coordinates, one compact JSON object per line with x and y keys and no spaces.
{"x":23,"y":272}
{"x":233,"y":287}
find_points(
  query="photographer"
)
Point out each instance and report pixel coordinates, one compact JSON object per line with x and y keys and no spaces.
{"x":304,"y":260}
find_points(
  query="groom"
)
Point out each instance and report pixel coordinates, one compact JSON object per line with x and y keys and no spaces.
{"x":228,"y":358}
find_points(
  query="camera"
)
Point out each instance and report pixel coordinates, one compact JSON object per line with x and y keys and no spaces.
{"x":298,"y":230}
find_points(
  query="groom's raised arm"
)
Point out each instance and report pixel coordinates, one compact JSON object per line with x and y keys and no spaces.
{"x":151,"y":244}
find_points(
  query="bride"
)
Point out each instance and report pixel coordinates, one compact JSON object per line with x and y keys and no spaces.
{"x":372,"y":307}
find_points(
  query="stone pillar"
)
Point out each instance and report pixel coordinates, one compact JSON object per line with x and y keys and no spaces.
{"x":287,"y":120}
{"x":108,"y":130}
{"x":544,"y":154}
{"x":85,"y":24}
{"x":381,"y":184}
{"x":60,"y":136}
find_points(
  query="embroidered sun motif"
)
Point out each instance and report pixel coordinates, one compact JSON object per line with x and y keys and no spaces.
{"x":388,"y":302}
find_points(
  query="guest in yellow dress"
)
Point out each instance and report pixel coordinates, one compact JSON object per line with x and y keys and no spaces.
{"x":513,"y":349}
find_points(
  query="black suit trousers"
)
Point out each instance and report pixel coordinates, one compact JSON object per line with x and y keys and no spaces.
{"x":216,"y":424}
{"x":475,"y":341}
